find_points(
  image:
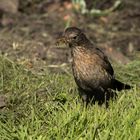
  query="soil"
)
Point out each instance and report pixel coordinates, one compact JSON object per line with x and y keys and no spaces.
{"x":29,"y":35}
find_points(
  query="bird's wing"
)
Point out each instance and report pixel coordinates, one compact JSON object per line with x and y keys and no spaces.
{"x":104,"y":61}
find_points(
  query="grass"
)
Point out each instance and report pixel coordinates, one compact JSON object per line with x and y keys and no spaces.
{"x":47,"y":107}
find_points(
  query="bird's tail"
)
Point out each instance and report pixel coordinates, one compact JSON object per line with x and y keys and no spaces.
{"x":117,"y":85}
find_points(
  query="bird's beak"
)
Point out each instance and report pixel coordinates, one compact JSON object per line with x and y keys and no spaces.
{"x":61,"y":40}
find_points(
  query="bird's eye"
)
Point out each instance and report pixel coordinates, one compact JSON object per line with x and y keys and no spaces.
{"x":74,"y":37}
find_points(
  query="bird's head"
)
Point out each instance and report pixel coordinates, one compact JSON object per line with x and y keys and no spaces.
{"x":72,"y":36}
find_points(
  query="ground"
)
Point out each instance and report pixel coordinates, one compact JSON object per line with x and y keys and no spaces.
{"x":32,"y":41}
{"x":38,"y":95}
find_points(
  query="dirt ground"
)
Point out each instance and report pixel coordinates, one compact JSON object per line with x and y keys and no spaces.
{"x":28,"y":35}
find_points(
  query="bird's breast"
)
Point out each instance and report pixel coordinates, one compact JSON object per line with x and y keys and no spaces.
{"x":83,"y":63}
{"x":86,"y":68}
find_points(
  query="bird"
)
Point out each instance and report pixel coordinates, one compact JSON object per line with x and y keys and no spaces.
{"x":92,"y":71}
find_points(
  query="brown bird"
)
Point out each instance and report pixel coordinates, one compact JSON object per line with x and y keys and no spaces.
{"x":92,"y":70}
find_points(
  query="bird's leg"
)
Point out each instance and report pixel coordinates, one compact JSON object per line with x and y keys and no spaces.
{"x":109,"y":94}
{"x":87,"y":96}
{"x":83,"y":95}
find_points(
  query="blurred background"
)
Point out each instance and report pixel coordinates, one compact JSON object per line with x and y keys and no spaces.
{"x":29,"y":29}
